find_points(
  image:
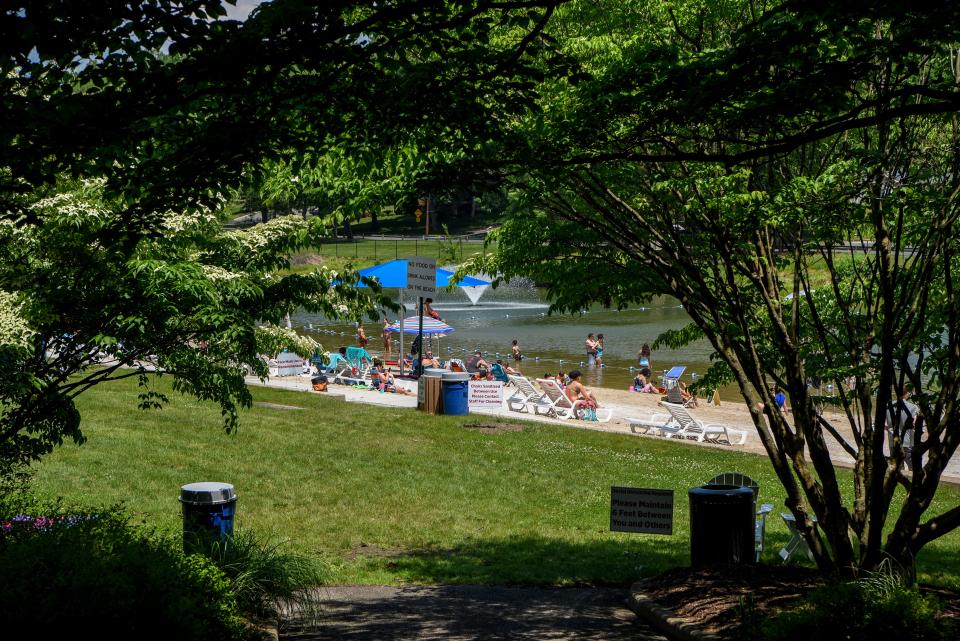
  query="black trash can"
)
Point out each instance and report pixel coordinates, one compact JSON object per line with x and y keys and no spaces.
{"x":721,"y":525}
{"x":208,"y":511}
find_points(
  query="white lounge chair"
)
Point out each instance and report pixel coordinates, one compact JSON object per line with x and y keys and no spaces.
{"x":739,"y":479}
{"x":524,"y":394}
{"x":659,"y":423}
{"x":555,"y":403}
{"x":690,"y":427}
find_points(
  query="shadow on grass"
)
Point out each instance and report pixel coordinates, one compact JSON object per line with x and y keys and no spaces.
{"x":530,"y":560}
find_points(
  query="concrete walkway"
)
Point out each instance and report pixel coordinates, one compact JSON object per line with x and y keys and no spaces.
{"x":462,"y":612}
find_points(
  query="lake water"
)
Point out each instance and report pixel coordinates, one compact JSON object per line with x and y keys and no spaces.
{"x":519,"y":312}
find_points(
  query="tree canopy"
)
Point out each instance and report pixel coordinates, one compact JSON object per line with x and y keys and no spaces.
{"x":124,"y":127}
{"x":788,"y":171}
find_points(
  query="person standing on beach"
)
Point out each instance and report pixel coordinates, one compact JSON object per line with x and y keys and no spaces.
{"x":387,"y":339}
{"x":515,"y":351}
{"x":644,"y":355}
{"x":361,"y":335}
{"x":599,"y":357}
{"x":591,"y":346}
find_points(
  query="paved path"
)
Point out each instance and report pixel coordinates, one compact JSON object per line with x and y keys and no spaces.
{"x":461,"y":612}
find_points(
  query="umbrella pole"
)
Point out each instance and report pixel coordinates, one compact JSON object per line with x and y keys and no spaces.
{"x":420,"y":339}
{"x":402,"y":314}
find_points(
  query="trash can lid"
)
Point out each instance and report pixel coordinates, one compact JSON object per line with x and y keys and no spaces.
{"x":436,"y":372}
{"x":207,"y":493}
{"x":455,"y":376}
{"x":719,"y":490}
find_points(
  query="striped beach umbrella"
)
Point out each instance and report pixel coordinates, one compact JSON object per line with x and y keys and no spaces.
{"x":431,"y":327}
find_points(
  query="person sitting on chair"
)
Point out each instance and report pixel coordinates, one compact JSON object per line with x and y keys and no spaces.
{"x":477,"y":364}
{"x":430,"y":361}
{"x":509,"y":370}
{"x":686,"y":395}
{"x":580,"y":396}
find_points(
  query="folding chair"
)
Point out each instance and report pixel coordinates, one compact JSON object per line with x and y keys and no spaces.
{"x":796,"y":543}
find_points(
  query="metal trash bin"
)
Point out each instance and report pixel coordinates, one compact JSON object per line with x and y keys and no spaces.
{"x":455,"y":388}
{"x":430,"y":391}
{"x":208,"y":511}
{"x":721,"y":525}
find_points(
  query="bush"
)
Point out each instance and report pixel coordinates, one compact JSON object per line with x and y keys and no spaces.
{"x":265,"y":577}
{"x":879,"y":608}
{"x":92,"y":574}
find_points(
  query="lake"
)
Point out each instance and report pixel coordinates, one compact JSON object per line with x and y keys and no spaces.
{"x":520,"y":312}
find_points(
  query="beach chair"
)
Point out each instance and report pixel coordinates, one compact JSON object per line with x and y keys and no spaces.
{"x":659,"y":423}
{"x":555,"y":403}
{"x":337,"y":368}
{"x":499,"y":374}
{"x":360,"y":363}
{"x":671,"y":382}
{"x":796,"y":543}
{"x":524,"y":394}
{"x":690,"y":427}
{"x":739,"y":479}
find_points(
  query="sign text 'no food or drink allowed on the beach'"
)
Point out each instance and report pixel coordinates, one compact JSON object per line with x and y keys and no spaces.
{"x":421,"y":276}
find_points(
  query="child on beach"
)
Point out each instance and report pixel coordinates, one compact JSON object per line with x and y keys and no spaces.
{"x":515,"y":350}
{"x":361,"y":336}
{"x":383,"y":380}
{"x":644,"y":355}
{"x":599,"y":357}
{"x":387,"y":339}
{"x":641,"y":382}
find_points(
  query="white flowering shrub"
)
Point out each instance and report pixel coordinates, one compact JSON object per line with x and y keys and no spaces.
{"x":91,"y":291}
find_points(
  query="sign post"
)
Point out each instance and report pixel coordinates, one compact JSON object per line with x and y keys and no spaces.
{"x":647,"y":511}
{"x":421,"y":281}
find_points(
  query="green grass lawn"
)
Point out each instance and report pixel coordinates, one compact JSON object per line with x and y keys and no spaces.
{"x":394,"y":495}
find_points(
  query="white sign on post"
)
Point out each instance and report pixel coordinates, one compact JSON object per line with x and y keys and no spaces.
{"x":485,"y":395}
{"x":421,"y":276}
{"x":647,"y":511}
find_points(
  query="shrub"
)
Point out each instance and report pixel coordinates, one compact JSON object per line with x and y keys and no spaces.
{"x":94,"y":574}
{"x":875,"y":609}
{"x":265,"y":577}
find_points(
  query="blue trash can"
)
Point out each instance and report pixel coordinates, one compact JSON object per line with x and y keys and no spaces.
{"x":208,"y":511}
{"x":455,"y":387}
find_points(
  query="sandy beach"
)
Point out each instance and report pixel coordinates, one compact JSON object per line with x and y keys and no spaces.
{"x":732,"y":412}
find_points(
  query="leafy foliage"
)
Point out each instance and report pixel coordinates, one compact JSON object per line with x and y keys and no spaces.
{"x":100,"y":576}
{"x":266,"y":578}
{"x":859,"y":611}
{"x":102,"y":300}
{"x":788,"y":172}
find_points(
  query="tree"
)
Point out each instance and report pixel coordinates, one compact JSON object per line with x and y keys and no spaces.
{"x":123,"y":126}
{"x":192,"y":302}
{"x":88,"y":91}
{"x":702,"y":140}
